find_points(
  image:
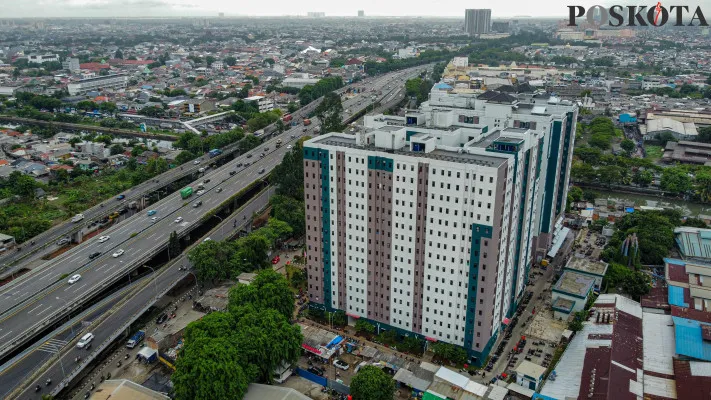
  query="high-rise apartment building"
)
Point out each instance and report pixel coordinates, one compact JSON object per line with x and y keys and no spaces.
{"x":361,"y":13}
{"x":428,"y":223}
{"x":477,"y":21}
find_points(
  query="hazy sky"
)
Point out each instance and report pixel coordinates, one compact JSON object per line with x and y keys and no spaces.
{"x":441,"y":8}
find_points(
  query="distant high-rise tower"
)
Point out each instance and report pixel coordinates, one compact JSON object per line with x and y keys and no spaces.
{"x":361,"y":13}
{"x":477,"y":21}
{"x":222,"y":15}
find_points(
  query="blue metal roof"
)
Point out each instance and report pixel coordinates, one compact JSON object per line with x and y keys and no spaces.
{"x":676,"y":296}
{"x":538,"y":396}
{"x":442,"y":86}
{"x":688,"y":339}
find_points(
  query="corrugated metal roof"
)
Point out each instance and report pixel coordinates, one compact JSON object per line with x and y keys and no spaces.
{"x":658,"y":343}
{"x":676,"y":296}
{"x":688,"y":339}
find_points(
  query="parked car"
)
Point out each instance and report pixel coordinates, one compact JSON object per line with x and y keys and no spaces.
{"x":94,"y":255}
{"x":162,"y":318}
{"x":74,"y":279}
{"x":118,"y":253}
{"x":104,"y":238}
{"x":341,"y":364}
{"x":275,"y":260}
{"x":316,"y":371}
{"x":86,"y":339}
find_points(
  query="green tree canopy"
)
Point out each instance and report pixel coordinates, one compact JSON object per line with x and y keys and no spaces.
{"x":268,"y":290}
{"x":210,"y":369}
{"x":372,"y":383}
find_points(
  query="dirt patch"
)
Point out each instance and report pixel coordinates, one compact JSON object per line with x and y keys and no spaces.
{"x":544,"y":326}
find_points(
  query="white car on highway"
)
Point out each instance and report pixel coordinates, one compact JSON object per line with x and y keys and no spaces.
{"x":74,"y":279}
{"x":196,"y":162}
{"x":179,"y":220}
{"x":118,"y":253}
{"x":104,"y":238}
{"x":199,"y":193}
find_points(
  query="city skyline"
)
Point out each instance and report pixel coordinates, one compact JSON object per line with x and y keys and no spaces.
{"x":212,"y":8}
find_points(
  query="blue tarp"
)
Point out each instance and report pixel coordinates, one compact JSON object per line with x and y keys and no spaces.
{"x":689,"y":341}
{"x":442,"y":86}
{"x":676,"y":296}
{"x":334,"y":342}
{"x":629,"y":209}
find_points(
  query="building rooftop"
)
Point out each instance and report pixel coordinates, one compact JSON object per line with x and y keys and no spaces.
{"x":257,"y":391}
{"x":586,"y":265}
{"x":575,"y":283}
{"x":341,"y":140}
{"x":123,"y":389}
{"x":530,"y":369}
{"x":693,"y":379}
{"x":563,"y":304}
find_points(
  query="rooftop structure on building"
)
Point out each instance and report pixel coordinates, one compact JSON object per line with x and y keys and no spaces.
{"x":687,"y":152}
{"x":84,"y":86}
{"x":621,"y":353}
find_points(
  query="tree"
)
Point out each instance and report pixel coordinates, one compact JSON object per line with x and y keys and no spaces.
{"x":174,"y":245}
{"x":576,"y":193}
{"x":589,"y":155}
{"x":628,"y":146}
{"x":600,"y":140}
{"x":116,"y":149}
{"x":266,"y":339}
{"x":450,"y":352}
{"x":292,"y":107}
{"x":702,"y":182}
{"x":576,"y":324}
{"x":22,"y":185}
{"x":643,"y":177}
{"x":372,"y":383}
{"x":268,"y":290}
{"x":213,"y":260}
{"x":184,"y":156}
{"x":118,"y":54}
{"x":329,"y":113}
{"x":291,"y":211}
{"x":704,"y":135}
{"x":288,"y":176}
{"x":675,"y":180}
{"x":280,"y":126}
{"x":229,"y":60}
{"x":210,"y":368}
{"x":364,"y":326}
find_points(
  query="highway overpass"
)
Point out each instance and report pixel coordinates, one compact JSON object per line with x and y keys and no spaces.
{"x":30,"y":306}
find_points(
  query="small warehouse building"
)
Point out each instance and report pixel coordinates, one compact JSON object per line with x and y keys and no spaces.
{"x":570,"y":293}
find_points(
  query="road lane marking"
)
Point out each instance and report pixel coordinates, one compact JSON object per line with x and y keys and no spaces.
{"x":45,"y":310}
{"x":29,"y":312}
{"x":3,"y":336}
{"x":80,"y":288}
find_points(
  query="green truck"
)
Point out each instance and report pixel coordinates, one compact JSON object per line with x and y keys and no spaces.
{"x":187,"y":192}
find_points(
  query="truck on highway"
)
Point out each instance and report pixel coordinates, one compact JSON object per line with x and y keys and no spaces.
{"x":278,"y":143}
{"x":307,"y":122}
{"x":286,"y":118}
{"x":77,"y":217}
{"x":187,"y":192}
{"x":215,"y":153}
{"x":135,"y":339}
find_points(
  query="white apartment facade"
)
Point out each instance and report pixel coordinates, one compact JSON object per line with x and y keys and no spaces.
{"x":83,"y":86}
{"x":42,"y":58}
{"x":420,"y":229}
{"x":263,"y":103}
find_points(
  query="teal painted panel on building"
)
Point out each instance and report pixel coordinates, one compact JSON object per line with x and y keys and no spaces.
{"x":551,"y":176}
{"x":408,"y":134}
{"x":562,"y":184}
{"x":311,"y":153}
{"x":326,"y":225}
{"x":380,"y":163}
{"x":479,"y":232}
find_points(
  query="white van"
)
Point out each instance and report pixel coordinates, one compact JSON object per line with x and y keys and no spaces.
{"x":77,"y":217}
{"x":86,"y":339}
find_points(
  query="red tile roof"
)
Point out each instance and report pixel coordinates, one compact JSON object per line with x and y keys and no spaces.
{"x":94,"y":66}
{"x":118,"y":61}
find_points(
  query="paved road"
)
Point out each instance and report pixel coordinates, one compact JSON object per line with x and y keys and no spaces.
{"x":30,"y":303}
{"x":46,"y":242}
{"x":125,"y":314}
{"x":21,"y":368}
